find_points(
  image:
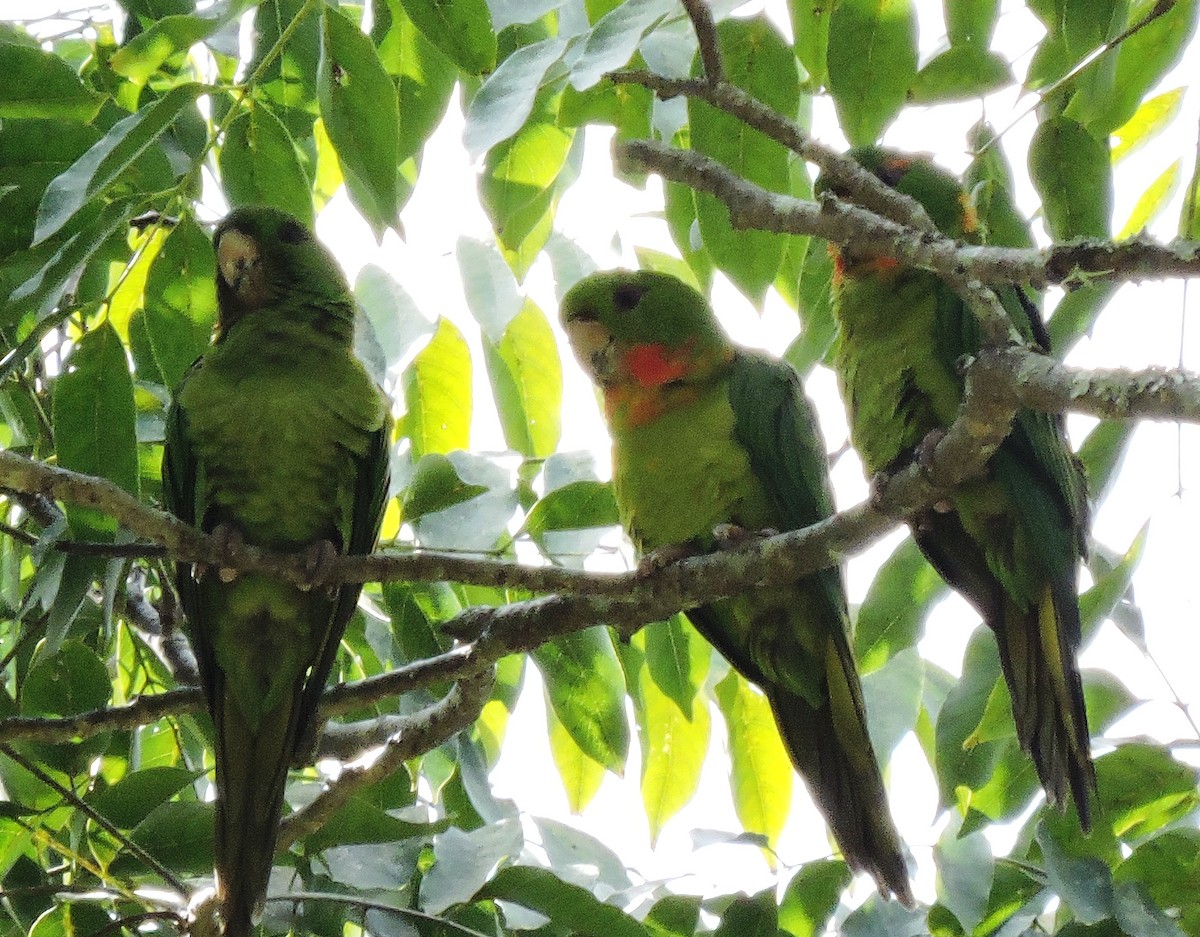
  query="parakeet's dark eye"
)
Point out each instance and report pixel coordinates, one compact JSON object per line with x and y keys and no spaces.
{"x":292,"y":232}
{"x":626,"y":298}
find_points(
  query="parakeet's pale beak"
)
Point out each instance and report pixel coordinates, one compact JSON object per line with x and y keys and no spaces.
{"x":593,"y":346}
{"x":237,"y":256}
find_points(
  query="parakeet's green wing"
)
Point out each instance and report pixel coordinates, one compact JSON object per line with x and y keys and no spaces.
{"x":370,"y":499}
{"x":799,"y":653}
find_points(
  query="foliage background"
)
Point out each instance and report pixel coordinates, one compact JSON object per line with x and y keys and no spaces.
{"x":173,"y":111}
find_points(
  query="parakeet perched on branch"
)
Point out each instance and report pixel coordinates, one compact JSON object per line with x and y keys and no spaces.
{"x":705,"y":434}
{"x":1009,"y":541}
{"x":276,"y":437}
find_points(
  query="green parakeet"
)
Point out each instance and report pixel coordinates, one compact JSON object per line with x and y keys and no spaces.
{"x":706,"y":433}
{"x":279,"y":437}
{"x":1010,"y":541}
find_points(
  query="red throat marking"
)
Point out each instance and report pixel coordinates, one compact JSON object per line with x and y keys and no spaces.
{"x":651,"y":367}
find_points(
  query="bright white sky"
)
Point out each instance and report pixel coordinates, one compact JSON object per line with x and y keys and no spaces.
{"x":1141,"y":327}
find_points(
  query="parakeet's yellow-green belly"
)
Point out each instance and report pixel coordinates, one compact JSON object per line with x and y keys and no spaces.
{"x":681,"y":474}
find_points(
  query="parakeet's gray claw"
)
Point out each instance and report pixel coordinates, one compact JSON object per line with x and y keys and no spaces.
{"x":229,"y":542}
{"x":318,"y":562}
{"x":658,"y":559}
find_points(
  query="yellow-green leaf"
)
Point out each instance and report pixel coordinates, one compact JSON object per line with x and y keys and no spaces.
{"x":1151,"y":202}
{"x":437,"y":393}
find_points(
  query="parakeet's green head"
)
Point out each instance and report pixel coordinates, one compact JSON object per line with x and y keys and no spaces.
{"x":642,"y":329}
{"x":267,"y":259}
{"x":939,"y":191}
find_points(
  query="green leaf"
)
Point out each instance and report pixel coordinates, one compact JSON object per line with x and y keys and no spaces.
{"x":1143,"y":788}
{"x":990,"y":181}
{"x":673,"y":916}
{"x":435,"y":485}
{"x":93,"y":174}
{"x":393,"y":314}
{"x":526,"y":377}
{"x":462,"y":30}
{"x":614,"y":38}
{"x":1102,"y":452}
{"x":810,"y":26}
{"x":893,"y":700}
{"x":94,"y":422}
{"x":1189,"y":215}
{"x":40,"y":84}
{"x":678,"y":659}
{"x":1072,"y":174}
{"x":424,"y":76}
{"x":181,"y":303}
{"x":128,"y":802}
{"x":1082,"y":882}
{"x":872,"y":64}
{"x":1151,"y":203}
{"x":145,"y":53}
{"x":437,"y":393}
{"x":290,"y":77}
{"x":815,"y":304}
{"x":759,"y":62}
{"x":812,"y":896}
{"x":674,"y":736}
{"x":961,"y":73}
{"x":890,"y":618}
{"x":505,"y":100}
{"x":1147,"y":122}
{"x":965,"y":869}
{"x":580,"y":774}
{"x":971,"y":22}
{"x":489,"y":286}
{"x":586,"y":689}
{"x":361,"y":115}
{"x":1098,"y":602}
{"x":463,"y":862}
{"x":576,"y":505}
{"x":1076,"y":313}
{"x":568,"y":906}
{"x":68,"y":683}
{"x":260,"y":166}
{"x":760,"y":773}
{"x":750,"y":917}
{"x":1167,"y":866}
{"x":1135,"y":66}
{"x":517,"y":187}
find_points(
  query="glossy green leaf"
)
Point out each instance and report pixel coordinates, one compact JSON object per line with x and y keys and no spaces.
{"x":569,"y":906}
{"x":68,"y":683}
{"x":960,"y":73}
{"x":1097,"y":603}
{"x":143,"y":55}
{"x":1167,"y":866}
{"x":91,"y":176}
{"x":180,"y":303}
{"x":260,"y":166}
{"x":760,"y":771}
{"x":437,"y":393}
{"x":1076,"y":313}
{"x":1136,"y":65}
{"x":1082,"y":882}
{"x":504,"y":102}
{"x":94,"y":422}
{"x":361,"y":115}
{"x":810,"y":27}
{"x":1150,"y":204}
{"x":575,"y":505}
{"x":872,"y":64}
{"x":989,"y":179}
{"x":1072,"y":174}
{"x":40,"y":84}
{"x":815,"y":302}
{"x":812,"y":896}
{"x":1143,"y":788}
{"x":290,"y":76}
{"x":580,"y":774}
{"x":462,"y":30}
{"x":517,"y":188}
{"x":586,"y":688}
{"x":1189,"y":215}
{"x":435,"y":485}
{"x":678,"y":659}
{"x":424,"y":76}
{"x":526,"y":377}
{"x":965,"y":869}
{"x":1148,"y":121}
{"x":970,"y":22}
{"x":1102,"y":452}
{"x":128,"y":802}
{"x":758,"y":61}
{"x":615,"y":36}
{"x":893,"y":612}
{"x":464,"y":861}
{"x":755,"y":916}
{"x":673,"y":916}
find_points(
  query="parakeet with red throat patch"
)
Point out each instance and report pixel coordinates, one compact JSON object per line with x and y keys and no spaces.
{"x":1009,"y":541}
{"x":279,"y":438}
{"x":705,"y":434}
